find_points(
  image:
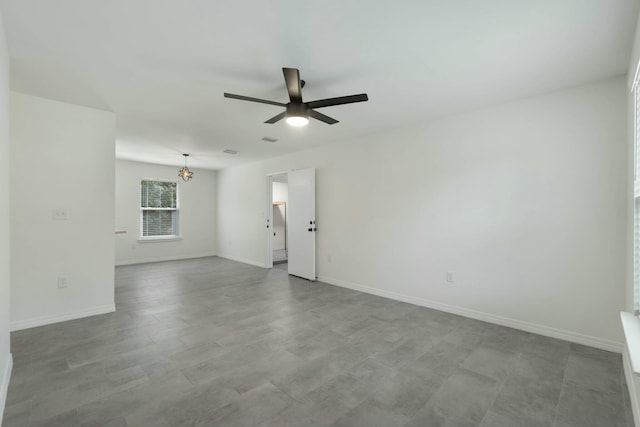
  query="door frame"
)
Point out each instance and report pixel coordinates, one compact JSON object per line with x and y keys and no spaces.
{"x":269,"y":218}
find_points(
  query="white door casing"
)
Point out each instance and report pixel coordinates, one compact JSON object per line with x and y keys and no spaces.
{"x":279,"y":233}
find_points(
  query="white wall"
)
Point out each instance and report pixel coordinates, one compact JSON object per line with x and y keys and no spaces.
{"x":62,"y":156}
{"x":197,"y":214}
{"x":5,"y":356}
{"x":280,"y":192}
{"x":525,"y":202}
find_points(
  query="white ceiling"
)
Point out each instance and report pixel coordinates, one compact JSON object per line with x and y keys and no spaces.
{"x":162,"y":66}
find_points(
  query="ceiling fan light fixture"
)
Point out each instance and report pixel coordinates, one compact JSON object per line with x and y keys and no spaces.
{"x":297,"y":115}
{"x":297,"y":121}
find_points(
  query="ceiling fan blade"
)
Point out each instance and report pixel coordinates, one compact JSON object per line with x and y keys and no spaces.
{"x":277,"y":118}
{"x":248,"y":98}
{"x":338,"y":101}
{"x":319,"y":116}
{"x":292,"y":79}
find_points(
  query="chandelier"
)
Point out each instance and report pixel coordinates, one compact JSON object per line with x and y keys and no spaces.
{"x":185,"y":173}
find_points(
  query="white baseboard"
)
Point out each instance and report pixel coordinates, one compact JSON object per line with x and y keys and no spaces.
{"x":161,"y":259}
{"x":631,"y":385}
{"x":243,"y":260}
{"x":548,"y":331}
{"x":47,"y":320}
{"x":4,"y":385}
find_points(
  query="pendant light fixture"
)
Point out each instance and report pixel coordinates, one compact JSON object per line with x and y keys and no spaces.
{"x":185,"y":173}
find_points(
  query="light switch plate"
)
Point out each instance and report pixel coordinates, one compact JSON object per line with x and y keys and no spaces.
{"x":63,"y":282}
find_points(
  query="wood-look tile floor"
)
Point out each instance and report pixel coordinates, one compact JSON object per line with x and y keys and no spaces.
{"x":211,"y":342}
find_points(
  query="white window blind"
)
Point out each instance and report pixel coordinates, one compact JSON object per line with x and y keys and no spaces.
{"x":158,"y":208}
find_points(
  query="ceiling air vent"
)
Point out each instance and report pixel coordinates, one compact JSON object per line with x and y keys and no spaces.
{"x":228,"y":151}
{"x":269,"y":139}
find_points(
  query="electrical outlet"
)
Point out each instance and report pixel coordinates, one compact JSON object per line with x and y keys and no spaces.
{"x":63,"y":282}
{"x":450,"y":277}
{"x":60,"y":214}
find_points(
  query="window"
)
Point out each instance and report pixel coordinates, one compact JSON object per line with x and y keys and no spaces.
{"x":636,"y":199}
{"x":158,"y":210}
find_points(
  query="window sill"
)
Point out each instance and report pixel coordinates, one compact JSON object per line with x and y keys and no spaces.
{"x":151,"y":239}
{"x":631,"y":327}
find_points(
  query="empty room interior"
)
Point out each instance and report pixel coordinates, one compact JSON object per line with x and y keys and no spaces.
{"x":408,"y":213}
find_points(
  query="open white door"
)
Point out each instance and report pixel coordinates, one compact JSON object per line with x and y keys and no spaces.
{"x":301,"y":223}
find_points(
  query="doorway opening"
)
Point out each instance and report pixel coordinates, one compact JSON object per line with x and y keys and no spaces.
{"x":279,"y":235}
{"x":294,"y":217}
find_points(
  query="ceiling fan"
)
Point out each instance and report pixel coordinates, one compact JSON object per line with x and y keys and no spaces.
{"x":298,"y":112}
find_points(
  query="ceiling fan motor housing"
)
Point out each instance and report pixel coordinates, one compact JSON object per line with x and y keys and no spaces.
{"x":297,"y":110}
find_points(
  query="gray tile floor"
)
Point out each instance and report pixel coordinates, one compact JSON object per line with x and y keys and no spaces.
{"x":211,"y":342}
{"x":279,"y":255}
